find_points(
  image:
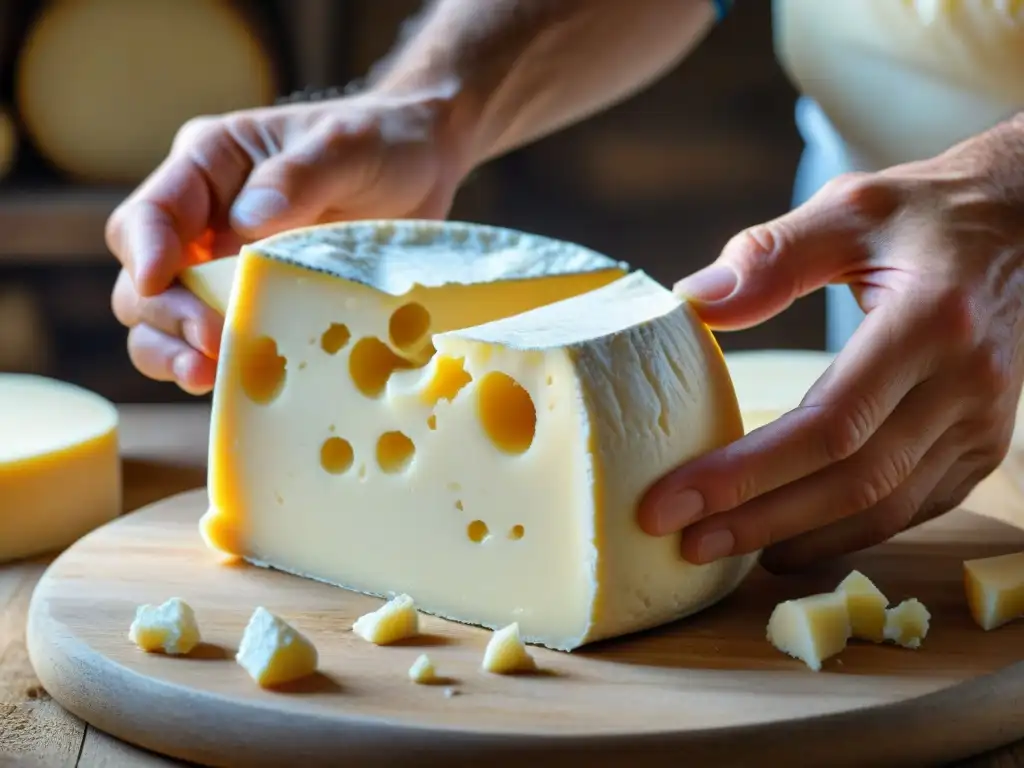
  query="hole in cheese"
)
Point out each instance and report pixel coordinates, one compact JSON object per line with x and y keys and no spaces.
{"x":516,"y":533}
{"x":261,"y":369}
{"x":408,"y":325}
{"x":477,"y":531}
{"x":334,"y":338}
{"x":431,"y":422}
{"x":506,"y":412}
{"x":394,"y":452}
{"x":371,"y":364}
{"x":458,"y":505}
{"x":450,"y":377}
{"x":336,"y":455}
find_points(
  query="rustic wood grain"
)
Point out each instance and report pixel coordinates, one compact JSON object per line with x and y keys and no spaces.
{"x":165,"y":452}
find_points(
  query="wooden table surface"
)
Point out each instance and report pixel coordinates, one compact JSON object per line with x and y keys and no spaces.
{"x":164,"y":450}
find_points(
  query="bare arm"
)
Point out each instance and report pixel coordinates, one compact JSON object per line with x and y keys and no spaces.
{"x":520,"y":69}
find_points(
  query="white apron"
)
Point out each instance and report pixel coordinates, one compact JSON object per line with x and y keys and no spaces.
{"x":890,"y":81}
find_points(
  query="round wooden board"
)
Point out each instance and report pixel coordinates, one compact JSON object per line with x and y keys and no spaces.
{"x":708,"y":690}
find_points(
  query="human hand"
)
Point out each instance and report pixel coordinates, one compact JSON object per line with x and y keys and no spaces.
{"x":920,"y":404}
{"x":249,"y":174}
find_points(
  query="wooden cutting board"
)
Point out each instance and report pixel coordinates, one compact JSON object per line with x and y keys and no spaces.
{"x":708,"y":690}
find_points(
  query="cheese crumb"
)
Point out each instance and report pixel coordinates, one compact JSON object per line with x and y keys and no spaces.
{"x":396,"y":620}
{"x":995,"y":589}
{"x":506,"y":653}
{"x":866,"y":604}
{"x":907,"y":623}
{"x":422,"y":670}
{"x":273,"y":652}
{"x":811,"y":628}
{"x":170,"y":628}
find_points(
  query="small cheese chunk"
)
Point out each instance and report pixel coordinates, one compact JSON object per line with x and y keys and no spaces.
{"x":422,"y":670}
{"x":273,"y":652}
{"x":506,"y":654}
{"x":211,"y":281}
{"x":907,"y":623}
{"x":169,"y":627}
{"x":866,"y":604}
{"x":995,"y":589}
{"x":396,"y":620}
{"x":60,"y":469}
{"x":467,"y":415}
{"x":771,"y":382}
{"x":811,"y":628}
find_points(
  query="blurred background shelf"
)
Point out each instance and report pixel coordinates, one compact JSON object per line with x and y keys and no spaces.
{"x":661,"y":180}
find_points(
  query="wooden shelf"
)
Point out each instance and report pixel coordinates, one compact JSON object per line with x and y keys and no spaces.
{"x":55,"y":224}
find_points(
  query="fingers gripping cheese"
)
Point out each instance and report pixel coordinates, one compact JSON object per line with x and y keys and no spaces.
{"x":466,"y":415}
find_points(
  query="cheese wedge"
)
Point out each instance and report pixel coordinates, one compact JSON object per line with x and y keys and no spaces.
{"x":812,"y":628}
{"x":60,"y":471}
{"x":506,"y":654}
{"x":907,"y":623}
{"x":467,"y":415}
{"x":771,"y":382}
{"x":211,"y":281}
{"x":866,"y":604}
{"x":394,"y":621}
{"x":273,"y":652}
{"x":995,"y":589}
{"x":422,"y":670}
{"x":170,"y":627}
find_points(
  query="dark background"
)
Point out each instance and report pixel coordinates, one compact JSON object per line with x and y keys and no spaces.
{"x":660,"y":181}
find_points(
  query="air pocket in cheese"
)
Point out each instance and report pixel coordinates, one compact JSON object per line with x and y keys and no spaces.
{"x":995,"y":589}
{"x":467,"y":415}
{"x":60,"y":471}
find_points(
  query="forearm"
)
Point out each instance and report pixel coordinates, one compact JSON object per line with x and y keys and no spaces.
{"x":521,"y":69}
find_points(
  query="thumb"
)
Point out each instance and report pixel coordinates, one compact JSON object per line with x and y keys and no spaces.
{"x":764,"y":269}
{"x":297,"y":187}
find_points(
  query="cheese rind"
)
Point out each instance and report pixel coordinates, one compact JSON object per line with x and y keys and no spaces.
{"x":170,"y":628}
{"x":501,"y":419}
{"x":866,"y":604}
{"x":995,"y":589}
{"x":394,"y":621}
{"x":812,"y":628}
{"x":907,"y":623}
{"x":506,"y":654}
{"x":273,"y":652}
{"x":60,"y":468}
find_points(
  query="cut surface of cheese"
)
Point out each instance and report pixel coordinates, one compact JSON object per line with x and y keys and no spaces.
{"x":211,"y":281}
{"x":103,"y":86}
{"x":273,"y":652}
{"x":396,"y":620}
{"x":506,"y":654}
{"x":423,"y":671}
{"x":866,"y":604}
{"x":170,"y":627}
{"x":60,"y":471}
{"x":907,"y":623}
{"x":812,"y":628}
{"x":771,"y":382}
{"x":995,"y":589}
{"x":467,"y":415}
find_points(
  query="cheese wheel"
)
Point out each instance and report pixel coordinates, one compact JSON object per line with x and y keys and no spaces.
{"x":770,"y":382}
{"x":60,"y":473}
{"x":104,"y":85}
{"x":8,"y":142}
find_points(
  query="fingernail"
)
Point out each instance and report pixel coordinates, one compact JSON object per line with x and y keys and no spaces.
{"x":181,"y":367}
{"x":712,"y":283}
{"x":715,"y":545}
{"x":255,"y":206}
{"x":679,"y":510}
{"x":190,"y":330}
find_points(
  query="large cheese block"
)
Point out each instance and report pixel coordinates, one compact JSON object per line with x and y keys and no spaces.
{"x":771,"y":382}
{"x":467,"y":415}
{"x":60,"y":472}
{"x":103,"y":86}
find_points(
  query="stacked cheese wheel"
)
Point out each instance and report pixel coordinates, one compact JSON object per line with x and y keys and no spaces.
{"x":104,"y":85}
{"x":60,"y":473}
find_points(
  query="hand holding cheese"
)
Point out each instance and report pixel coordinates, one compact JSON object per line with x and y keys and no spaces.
{"x":920,"y":404}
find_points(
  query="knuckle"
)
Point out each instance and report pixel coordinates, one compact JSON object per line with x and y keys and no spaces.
{"x":197,"y":131}
{"x":862,"y":194}
{"x":991,"y":371}
{"x":845,"y":432}
{"x":124,"y":301}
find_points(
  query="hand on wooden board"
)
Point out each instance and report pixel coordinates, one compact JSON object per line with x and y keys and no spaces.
{"x":917,"y":408}
{"x":250,"y":174}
